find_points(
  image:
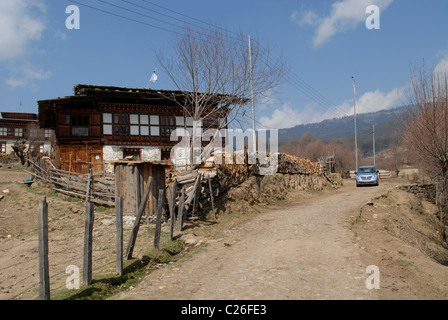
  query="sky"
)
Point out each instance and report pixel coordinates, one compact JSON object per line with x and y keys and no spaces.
{"x":324,"y":42}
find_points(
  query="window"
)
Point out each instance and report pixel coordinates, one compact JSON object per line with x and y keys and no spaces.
{"x":3,"y":131}
{"x":167,"y":126}
{"x":107,"y":118}
{"x":139,"y":124}
{"x":155,"y":120}
{"x":166,"y":132}
{"x":144,"y":119}
{"x":34,"y":133}
{"x":37,"y":148}
{"x":18,"y":132}
{"x":121,"y":125}
{"x":189,"y":121}
{"x":80,"y":121}
{"x":107,"y":123}
{"x":167,"y":121}
{"x":48,"y":133}
{"x":80,"y":132}
{"x":2,"y":147}
{"x":121,"y":130}
{"x":155,"y":129}
{"x":144,"y":130}
{"x":135,"y":130}
{"x":121,"y":119}
{"x":210,"y":124}
{"x":180,"y":121}
{"x":80,"y":125}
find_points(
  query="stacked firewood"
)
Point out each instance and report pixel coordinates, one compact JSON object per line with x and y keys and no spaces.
{"x":239,"y":169}
{"x":288,"y":164}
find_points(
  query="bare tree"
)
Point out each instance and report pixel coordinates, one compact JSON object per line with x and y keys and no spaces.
{"x":426,"y":134}
{"x":29,"y":145}
{"x":215,"y":76}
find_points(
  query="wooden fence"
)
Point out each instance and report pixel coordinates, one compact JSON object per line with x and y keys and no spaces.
{"x":96,"y":186}
{"x":87,"y":274}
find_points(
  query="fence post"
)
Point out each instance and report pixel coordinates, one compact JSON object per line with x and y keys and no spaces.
{"x":88,"y":235}
{"x":141,"y":208}
{"x":89,"y":186}
{"x":119,"y":234}
{"x":211,"y":197}
{"x":196,"y":194}
{"x":158,"y":219}
{"x":44,"y":270}
{"x":172,"y":208}
{"x":180,"y":213}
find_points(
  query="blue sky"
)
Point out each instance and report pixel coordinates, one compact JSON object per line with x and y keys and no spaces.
{"x":325,"y":43}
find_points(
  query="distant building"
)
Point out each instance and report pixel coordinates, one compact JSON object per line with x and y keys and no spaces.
{"x":20,"y":126}
{"x":99,"y":124}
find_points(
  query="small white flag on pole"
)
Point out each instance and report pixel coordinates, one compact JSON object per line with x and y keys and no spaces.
{"x":154,"y":77}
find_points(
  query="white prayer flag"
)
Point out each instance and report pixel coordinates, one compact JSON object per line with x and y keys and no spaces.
{"x":153,"y":77}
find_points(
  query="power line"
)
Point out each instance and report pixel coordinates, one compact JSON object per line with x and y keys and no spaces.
{"x":138,"y":13}
{"x":297,"y":82}
{"x":169,"y":16}
{"x":189,"y":17}
{"x":123,"y":17}
{"x":293,"y":79}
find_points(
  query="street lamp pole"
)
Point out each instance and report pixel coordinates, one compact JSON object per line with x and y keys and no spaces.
{"x":354,"y":108}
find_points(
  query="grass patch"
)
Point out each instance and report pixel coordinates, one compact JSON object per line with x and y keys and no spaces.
{"x":105,"y":286}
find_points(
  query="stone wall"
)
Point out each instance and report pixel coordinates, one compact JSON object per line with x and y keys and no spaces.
{"x":262,"y":189}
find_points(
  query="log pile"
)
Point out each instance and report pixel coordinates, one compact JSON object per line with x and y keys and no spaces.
{"x":226,"y":176}
{"x":232,"y":175}
{"x":288,"y":164}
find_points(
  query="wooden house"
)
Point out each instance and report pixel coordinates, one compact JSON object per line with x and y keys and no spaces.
{"x":101,"y":124}
{"x":21,"y":126}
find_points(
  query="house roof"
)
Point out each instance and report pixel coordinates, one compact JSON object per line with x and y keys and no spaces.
{"x":88,"y":96}
{"x":19,"y":116}
{"x":84,"y":91}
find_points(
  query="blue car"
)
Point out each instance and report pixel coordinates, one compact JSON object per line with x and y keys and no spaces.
{"x":367,"y":176}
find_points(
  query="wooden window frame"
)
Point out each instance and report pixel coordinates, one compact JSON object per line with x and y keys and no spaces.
{"x":3,"y":145}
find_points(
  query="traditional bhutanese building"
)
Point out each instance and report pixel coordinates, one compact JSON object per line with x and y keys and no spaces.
{"x":23,"y":127}
{"x":99,"y":124}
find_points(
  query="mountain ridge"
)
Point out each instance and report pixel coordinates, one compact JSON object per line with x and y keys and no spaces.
{"x":387,"y":125}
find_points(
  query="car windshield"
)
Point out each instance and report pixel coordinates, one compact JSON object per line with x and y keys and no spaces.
{"x":367,"y":170}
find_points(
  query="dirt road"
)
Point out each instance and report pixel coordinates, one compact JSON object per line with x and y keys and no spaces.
{"x":302,"y":250}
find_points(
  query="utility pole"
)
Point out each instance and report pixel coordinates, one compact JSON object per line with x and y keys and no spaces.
{"x":354,"y":108}
{"x":252,"y":97}
{"x":374,"y":162}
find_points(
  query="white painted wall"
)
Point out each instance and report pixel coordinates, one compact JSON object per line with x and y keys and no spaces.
{"x":10,"y":143}
{"x":111,"y":153}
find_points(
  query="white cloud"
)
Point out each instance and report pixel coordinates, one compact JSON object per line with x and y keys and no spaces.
{"x":373,"y":101}
{"x":442,"y":66}
{"x":19,"y":26}
{"x":287,"y":117}
{"x":25,"y":73}
{"x":344,"y":15}
{"x":306,"y":18}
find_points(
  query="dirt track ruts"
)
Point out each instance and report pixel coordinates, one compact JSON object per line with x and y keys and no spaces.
{"x":300,"y":251}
